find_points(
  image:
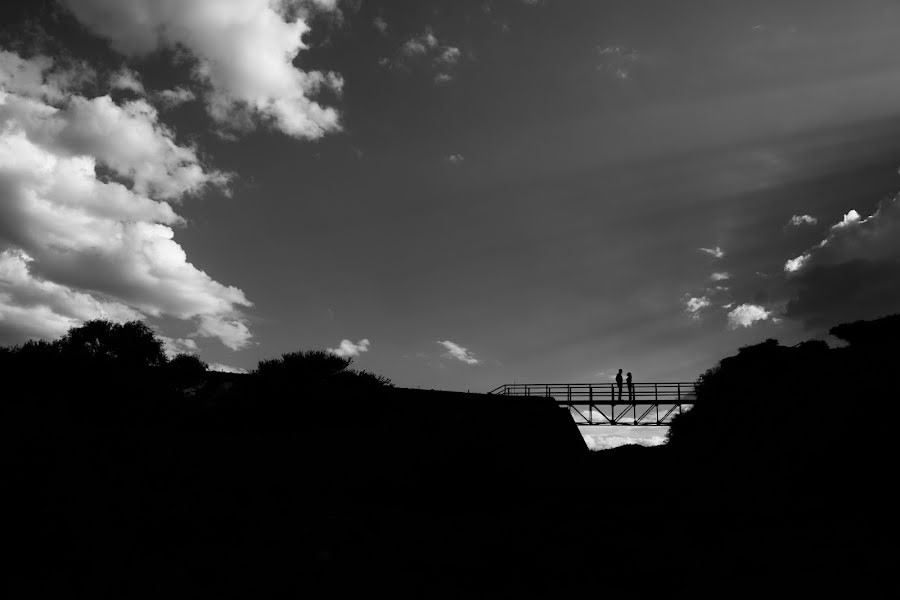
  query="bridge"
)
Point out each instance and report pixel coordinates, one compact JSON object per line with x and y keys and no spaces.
{"x":593,"y":404}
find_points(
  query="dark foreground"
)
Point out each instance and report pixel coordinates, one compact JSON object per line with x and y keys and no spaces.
{"x":425,"y":510}
{"x":126,"y":475}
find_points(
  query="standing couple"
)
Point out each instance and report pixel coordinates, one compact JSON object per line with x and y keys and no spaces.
{"x":630,"y":385}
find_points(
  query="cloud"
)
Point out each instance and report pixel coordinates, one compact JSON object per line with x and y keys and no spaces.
{"x":746,"y":315}
{"x":380,"y":24}
{"x":795,"y":264}
{"x":459,"y":353}
{"x":850,"y":219}
{"x":449,"y":56}
{"x":39,"y":77}
{"x":243,"y":54}
{"x":173,"y":347}
{"x":126,"y":79}
{"x":714,"y":252}
{"x":175,"y":97}
{"x":455,"y":158}
{"x":420,"y":44}
{"x":853,"y":273}
{"x":631,"y":436}
{"x":720,"y":276}
{"x":694,"y":305}
{"x":80,"y":245}
{"x":798,"y":220}
{"x":32,"y":307}
{"x":426,"y":48}
{"x":617,"y":60}
{"x":348,"y":349}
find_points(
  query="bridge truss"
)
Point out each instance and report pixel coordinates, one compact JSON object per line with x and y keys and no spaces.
{"x":598,"y":404}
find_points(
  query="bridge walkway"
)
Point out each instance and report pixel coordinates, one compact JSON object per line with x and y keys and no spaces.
{"x":599,"y":404}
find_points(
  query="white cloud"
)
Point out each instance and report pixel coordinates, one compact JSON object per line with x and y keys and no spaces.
{"x":459,"y":353}
{"x":617,"y":60}
{"x":795,"y":264}
{"x":746,"y":315}
{"x":449,"y":56}
{"x":720,"y":276}
{"x":455,"y":158}
{"x":606,"y":441}
{"x":173,"y":347}
{"x":714,"y":252}
{"x":842,"y":243}
{"x":243,"y":53}
{"x":348,"y":349}
{"x":104,"y":249}
{"x":175,"y":97}
{"x":39,"y":77}
{"x":126,"y":79}
{"x":798,"y":220}
{"x":426,"y":48}
{"x":380,"y":24}
{"x":32,"y":307}
{"x":850,"y":219}
{"x":420,"y":44}
{"x":694,"y":305}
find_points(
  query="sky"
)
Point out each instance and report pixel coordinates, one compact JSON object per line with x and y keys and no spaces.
{"x":456,"y":195}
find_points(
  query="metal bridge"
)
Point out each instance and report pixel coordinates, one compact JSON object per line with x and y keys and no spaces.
{"x":592,"y":404}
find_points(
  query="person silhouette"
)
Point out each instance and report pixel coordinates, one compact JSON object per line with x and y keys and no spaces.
{"x":619,"y":383}
{"x":630,"y":385}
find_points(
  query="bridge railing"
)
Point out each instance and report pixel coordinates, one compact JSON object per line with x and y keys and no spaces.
{"x":595,"y":393}
{"x":597,"y":403}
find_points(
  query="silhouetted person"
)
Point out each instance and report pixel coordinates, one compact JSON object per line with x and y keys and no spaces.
{"x":630,"y":387}
{"x":619,"y":383}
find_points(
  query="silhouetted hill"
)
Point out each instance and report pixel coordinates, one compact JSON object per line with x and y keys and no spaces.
{"x":133,"y":475}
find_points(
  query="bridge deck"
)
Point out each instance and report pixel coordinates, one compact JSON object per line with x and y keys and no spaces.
{"x":596,"y":404}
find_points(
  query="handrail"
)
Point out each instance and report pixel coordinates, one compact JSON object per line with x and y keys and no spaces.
{"x":592,"y":404}
{"x":667,"y":392}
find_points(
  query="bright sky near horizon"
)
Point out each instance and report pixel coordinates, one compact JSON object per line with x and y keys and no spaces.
{"x":457,"y":194}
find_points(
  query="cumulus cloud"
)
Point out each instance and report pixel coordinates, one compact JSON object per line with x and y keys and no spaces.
{"x":853,"y":273}
{"x":455,"y":158}
{"x":457,"y":352}
{"x":795,"y":264}
{"x":33,"y":307}
{"x":850,"y":219}
{"x":720,"y":276}
{"x":242,"y":50}
{"x":126,"y":79}
{"x":420,"y":44}
{"x":694,"y":305}
{"x":714,"y":252}
{"x":798,"y":220}
{"x":426,"y":48}
{"x":38,"y":77}
{"x":380,"y":24}
{"x":348,"y":349}
{"x":173,"y":347}
{"x":630,"y":436}
{"x":175,"y":97}
{"x":746,"y":315}
{"x":617,"y":60}
{"x":97,"y":248}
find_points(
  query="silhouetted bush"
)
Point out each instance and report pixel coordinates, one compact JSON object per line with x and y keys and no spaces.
{"x":773,"y":408}
{"x":186,"y":367}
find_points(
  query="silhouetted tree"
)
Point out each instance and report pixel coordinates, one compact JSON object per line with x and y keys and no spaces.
{"x":132,"y":344}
